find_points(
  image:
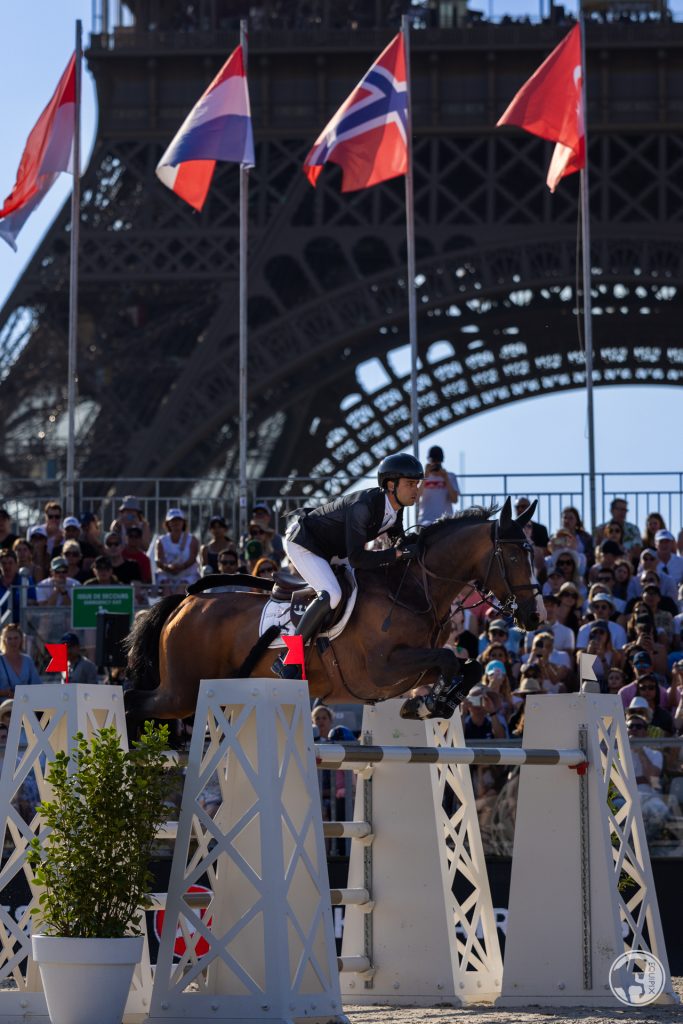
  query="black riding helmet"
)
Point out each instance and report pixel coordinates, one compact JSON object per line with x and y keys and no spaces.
{"x":393,"y":467}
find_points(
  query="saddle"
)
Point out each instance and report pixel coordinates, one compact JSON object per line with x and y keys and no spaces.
{"x":291,"y":589}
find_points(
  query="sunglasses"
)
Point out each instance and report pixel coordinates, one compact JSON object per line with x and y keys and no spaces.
{"x":637,"y":728}
{"x":54,"y":515}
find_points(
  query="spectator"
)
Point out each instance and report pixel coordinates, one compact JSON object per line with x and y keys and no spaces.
{"x":228,"y":561}
{"x":643,"y":639}
{"x":208,"y":553}
{"x":615,"y":680}
{"x":71,"y":530}
{"x":663,"y":619}
{"x":176,"y":554}
{"x":498,"y":682}
{"x":90,"y":538}
{"x":71,"y":552}
{"x":496,"y":632}
{"x":37,"y":537}
{"x":439,"y":491}
{"x":266,"y":568}
{"x":52,"y":514}
{"x":461,"y":641}
{"x":555,"y":666}
{"x":499,"y":653}
{"x":23,"y":549}
{"x":631,"y":534}
{"x":529,"y":683}
{"x":613,"y":531}
{"x":647,"y":766}
{"x":126,"y":570}
{"x":132,"y":552}
{"x":7,"y":537}
{"x":624,"y":587}
{"x":130,"y":513}
{"x":666,"y":586}
{"x":567,"y":562}
{"x":568,"y":608}
{"x":253,"y":553}
{"x":564,"y":637}
{"x":561,"y":542}
{"x":103,"y":572}
{"x":606,"y":557}
{"x":553,"y":583}
{"x":10,"y":585}
{"x":640,"y":707}
{"x":602,"y":607}
{"x":571,"y":521}
{"x":81,"y":669}
{"x":600,"y":646}
{"x":260,"y":513}
{"x":258,"y":544}
{"x":481,"y":720}
{"x":539,"y":533}
{"x":16,"y":669}
{"x":649,"y":688}
{"x":653,"y":524}
{"x":56,"y":590}
{"x":669,"y":563}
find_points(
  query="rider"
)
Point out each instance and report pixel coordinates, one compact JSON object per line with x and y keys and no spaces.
{"x":342,"y":528}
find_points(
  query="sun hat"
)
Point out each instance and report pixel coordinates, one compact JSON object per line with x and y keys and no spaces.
{"x":71,"y":521}
{"x":602,"y":596}
{"x":528,"y":685}
{"x":663,"y":535}
{"x":174,"y":513}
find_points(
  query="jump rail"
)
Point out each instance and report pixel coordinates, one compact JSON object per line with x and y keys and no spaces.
{"x":333,"y":755}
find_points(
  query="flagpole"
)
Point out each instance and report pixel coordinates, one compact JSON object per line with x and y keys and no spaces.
{"x":243,"y":401}
{"x":410,"y":247}
{"x":586,"y":262}
{"x":72,"y":359}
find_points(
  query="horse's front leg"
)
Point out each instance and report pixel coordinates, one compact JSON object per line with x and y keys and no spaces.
{"x":456,"y":679}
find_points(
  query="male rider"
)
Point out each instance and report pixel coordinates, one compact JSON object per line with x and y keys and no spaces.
{"x":341,"y":528}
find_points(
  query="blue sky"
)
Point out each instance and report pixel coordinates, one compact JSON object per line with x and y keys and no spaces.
{"x":540,"y":435}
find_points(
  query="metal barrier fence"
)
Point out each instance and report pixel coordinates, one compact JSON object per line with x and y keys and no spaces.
{"x":203,"y":497}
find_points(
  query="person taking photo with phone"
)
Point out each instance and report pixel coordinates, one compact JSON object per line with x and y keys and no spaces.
{"x":439,"y":491}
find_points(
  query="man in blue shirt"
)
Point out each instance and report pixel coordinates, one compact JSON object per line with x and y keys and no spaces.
{"x":11,"y":585}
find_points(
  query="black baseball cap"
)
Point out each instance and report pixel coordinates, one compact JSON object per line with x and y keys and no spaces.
{"x":71,"y":640}
{"x":435,"y":453}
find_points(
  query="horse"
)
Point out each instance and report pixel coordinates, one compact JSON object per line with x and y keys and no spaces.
{"x":391,"y":643}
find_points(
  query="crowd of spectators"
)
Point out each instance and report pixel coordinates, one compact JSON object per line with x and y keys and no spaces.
{"x":616,"y":594}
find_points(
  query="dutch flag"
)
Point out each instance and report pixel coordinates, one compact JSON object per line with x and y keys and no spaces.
{"x":217,"y":128}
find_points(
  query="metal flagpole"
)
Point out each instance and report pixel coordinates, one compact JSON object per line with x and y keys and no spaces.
{"x":72,"y":366}
{"x":586,"y":261}
{"x":410,"y":247}
{"x":243,"y":405}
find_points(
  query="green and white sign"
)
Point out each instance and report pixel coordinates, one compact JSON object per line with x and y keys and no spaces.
{"x":86,"y":602}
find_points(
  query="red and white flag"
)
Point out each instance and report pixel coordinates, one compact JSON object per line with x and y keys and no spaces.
{"x":550,"y":104}
{"x":48,"y":152}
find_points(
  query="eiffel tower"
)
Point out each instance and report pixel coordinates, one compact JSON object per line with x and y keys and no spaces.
{"x":328,"y":364}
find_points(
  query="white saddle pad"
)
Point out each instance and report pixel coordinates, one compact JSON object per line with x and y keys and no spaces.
{"x":276,"y":613}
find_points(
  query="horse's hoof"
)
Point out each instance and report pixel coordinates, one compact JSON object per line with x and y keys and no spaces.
{"x":417,"y":708}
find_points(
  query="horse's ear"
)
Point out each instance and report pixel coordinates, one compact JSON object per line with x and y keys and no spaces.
{"x":527,"y":514}
{"x":506,"y":513}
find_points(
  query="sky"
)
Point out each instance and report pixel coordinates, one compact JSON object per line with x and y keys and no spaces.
{"x":539,"y":435}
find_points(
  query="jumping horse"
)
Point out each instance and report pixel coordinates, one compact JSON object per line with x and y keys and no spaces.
{"x":391,"y":643}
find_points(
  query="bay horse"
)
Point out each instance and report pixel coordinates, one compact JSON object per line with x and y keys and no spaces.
{"x":391,"y":643}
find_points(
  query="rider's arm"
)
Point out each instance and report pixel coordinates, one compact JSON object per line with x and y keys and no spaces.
{"x":357,"y":525}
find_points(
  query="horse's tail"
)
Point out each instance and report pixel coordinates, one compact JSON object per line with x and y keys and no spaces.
{"x":142,"y":643}
{"x":257,"y":651}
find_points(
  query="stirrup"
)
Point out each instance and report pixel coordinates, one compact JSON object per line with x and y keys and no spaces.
{"x":285,"y":671}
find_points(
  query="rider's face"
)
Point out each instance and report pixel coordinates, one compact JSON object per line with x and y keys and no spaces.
{"x":406,"y":491}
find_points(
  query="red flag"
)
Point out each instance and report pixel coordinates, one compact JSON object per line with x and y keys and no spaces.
{"x":58,"y":659}
{"x":295,"y":652}
{"x":550,"y":104}
{"x":367,"y":136}
{"x":48,"y":151}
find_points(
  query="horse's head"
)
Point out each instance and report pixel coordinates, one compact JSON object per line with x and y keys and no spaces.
{"x":514,"y":581}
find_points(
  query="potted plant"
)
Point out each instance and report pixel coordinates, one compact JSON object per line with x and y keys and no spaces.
{"x":92,"y":863}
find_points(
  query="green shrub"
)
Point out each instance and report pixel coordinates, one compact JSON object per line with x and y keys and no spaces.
{"x":108,"y":805}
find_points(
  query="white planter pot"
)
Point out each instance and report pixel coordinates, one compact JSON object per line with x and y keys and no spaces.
{"x":86,"y":980}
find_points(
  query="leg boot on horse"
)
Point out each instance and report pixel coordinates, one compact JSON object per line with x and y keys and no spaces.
{"x":446,"y":694}
{"x":311,"y":620}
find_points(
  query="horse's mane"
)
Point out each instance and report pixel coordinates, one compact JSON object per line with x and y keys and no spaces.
{"x":468,"y":517}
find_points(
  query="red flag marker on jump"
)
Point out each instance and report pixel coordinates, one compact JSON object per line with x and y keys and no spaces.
{"x":295,"y":652}
{"x":58,"y":659}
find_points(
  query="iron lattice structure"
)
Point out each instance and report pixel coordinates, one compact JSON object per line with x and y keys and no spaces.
{"x":328,"y":364}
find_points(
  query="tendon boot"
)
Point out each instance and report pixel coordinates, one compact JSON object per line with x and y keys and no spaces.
{"x":446,"y":695}
{"x":311,"y":621}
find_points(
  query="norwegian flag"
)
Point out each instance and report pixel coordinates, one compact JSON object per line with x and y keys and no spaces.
{"x":367,"y":136}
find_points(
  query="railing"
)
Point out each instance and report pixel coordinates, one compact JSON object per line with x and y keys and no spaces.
{"x":203,"y":497}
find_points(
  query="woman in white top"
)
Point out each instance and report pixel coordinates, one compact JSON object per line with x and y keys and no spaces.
{"x":176,"y":554}
{"x":16,"y":669}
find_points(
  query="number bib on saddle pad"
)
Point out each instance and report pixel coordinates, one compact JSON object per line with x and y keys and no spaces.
{"x":286,"y":612}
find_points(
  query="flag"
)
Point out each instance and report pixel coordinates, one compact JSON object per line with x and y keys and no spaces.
{"x":58,"y":659}
{"x":48,"y":152}
{"x":295,"y":652}
{"x":367,"y":136}
{"x":217,"y":128}
{"x":550,"y":104}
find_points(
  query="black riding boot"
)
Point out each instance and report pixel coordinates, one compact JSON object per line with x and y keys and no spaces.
{"x":311,"y":620}
{"x":446,"y":695}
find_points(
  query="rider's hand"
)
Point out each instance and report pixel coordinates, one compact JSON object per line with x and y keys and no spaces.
{"x":408,"y":549}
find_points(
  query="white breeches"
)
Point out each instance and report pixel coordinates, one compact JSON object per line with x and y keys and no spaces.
{"x":314,"y":569}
